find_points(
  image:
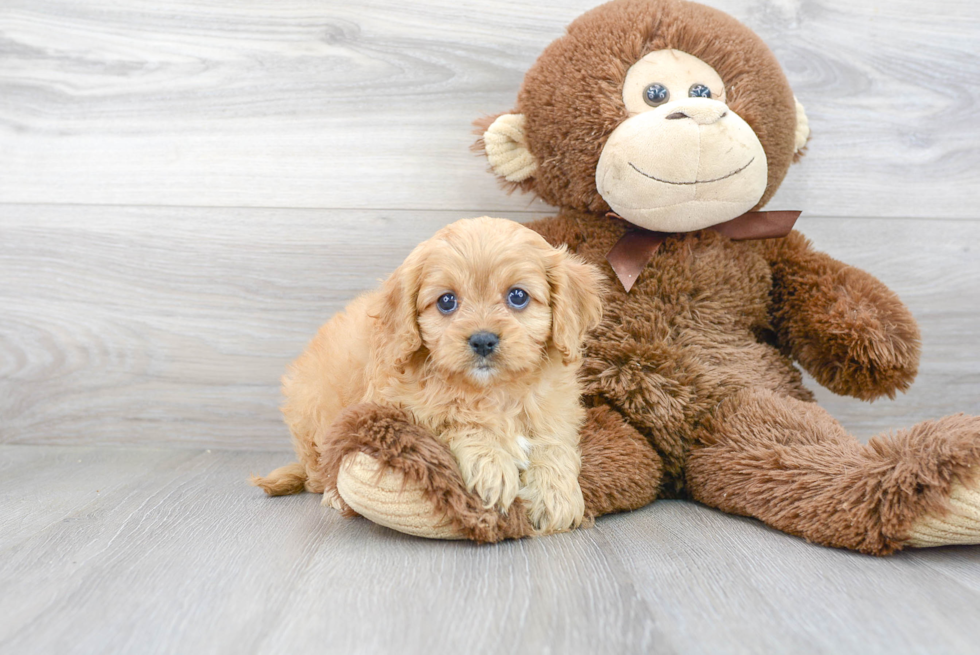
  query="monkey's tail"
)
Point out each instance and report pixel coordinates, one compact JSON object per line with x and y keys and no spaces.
{"x":285,"y":480}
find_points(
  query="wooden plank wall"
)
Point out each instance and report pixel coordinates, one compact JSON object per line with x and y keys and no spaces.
{"x":188,"y":189}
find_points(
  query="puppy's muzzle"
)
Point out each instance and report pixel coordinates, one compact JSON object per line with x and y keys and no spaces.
{"x":484,"y":343}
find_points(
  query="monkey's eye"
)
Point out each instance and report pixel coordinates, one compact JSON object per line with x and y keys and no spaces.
{"x":518,"y":298}
{"x":447,"y":303}
{"x":656,"y":94}
{"x":700,"y":91}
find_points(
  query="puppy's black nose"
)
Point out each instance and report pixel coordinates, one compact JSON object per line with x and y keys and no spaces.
{"x":483,"y":343}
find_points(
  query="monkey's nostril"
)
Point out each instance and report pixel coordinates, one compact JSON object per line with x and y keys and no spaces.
{"x":702,"y":115}
{"x":483,"y":343}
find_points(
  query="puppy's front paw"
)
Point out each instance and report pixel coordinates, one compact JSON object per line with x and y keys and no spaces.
{"x":494,"y":477}
{"x":554,"y":503}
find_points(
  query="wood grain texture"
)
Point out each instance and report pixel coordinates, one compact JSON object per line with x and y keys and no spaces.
{"x":369,"y":104}
{"x":163,"y":552}
{"x":122,"y":323}
{"x":757,"y":590}
{"x":157,"y":551}
{"x":173,"y":326}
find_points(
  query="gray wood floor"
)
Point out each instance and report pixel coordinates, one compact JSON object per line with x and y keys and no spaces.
{"x":188,"y":189}
{"x":149,"y":550}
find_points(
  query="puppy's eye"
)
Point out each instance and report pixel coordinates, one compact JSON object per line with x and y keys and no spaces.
{"x":447,"y":303}
{"x":518,"y":298}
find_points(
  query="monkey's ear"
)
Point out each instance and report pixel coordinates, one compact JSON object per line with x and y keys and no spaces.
{"x":802,"y":128}
{"x":506,"y":146}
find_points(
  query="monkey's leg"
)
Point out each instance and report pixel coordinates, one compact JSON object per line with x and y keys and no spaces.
{"x":791,"y":465}
{"x":620,"y":469}
{"x":377,"y":463}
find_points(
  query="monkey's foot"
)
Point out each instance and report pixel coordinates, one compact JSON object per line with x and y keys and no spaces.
{"x":959,"y":524}
{"x":386,"y":497}
{"x":395,"y":473}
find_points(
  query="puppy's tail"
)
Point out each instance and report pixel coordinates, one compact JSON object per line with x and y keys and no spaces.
{"x":285,"y":480}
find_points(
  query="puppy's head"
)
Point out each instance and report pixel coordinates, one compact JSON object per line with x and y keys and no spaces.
{"x":487,"y":299}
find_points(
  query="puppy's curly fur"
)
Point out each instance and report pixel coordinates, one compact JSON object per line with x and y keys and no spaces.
{"x":511,"y":416}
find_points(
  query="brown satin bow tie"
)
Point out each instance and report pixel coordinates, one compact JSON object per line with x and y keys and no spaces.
{"x":634,"y":249}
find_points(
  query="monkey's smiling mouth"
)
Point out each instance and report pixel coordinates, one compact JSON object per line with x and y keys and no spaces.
{"x":717,"y":179}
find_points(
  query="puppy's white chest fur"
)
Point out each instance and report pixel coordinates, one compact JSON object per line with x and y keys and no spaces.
{"x":525,"y":447}
{"x":500,"y":413}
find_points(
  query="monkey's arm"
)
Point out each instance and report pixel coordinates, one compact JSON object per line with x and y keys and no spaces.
{"x":845,"y":327}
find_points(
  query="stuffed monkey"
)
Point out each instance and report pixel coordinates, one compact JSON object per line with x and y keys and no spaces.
{"x":659,"y":128}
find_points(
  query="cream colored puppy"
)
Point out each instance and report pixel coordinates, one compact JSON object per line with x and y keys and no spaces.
{"x":478,"y":335}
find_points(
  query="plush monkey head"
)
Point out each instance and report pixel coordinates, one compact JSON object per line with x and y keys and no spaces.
{"x":669,"y":113}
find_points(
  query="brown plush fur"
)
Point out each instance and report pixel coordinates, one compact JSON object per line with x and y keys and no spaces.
{"x":683,"y":339}
{"x":861,"y":342}
{"x":620,"y":469}
{"x":793,"y":466}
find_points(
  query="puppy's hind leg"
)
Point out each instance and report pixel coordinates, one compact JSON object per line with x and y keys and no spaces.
{"x":285,"y":480}
{"x":319,"y":384}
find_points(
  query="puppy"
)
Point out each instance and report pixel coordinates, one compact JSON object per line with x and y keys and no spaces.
{"x":478,"y":336}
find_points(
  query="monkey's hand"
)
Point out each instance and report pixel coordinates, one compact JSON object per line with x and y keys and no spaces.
{"x":843,"y":325}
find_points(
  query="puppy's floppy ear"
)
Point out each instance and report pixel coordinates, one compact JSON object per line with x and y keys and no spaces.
{"x":576,"y":302}
{"x":397,"y":337}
